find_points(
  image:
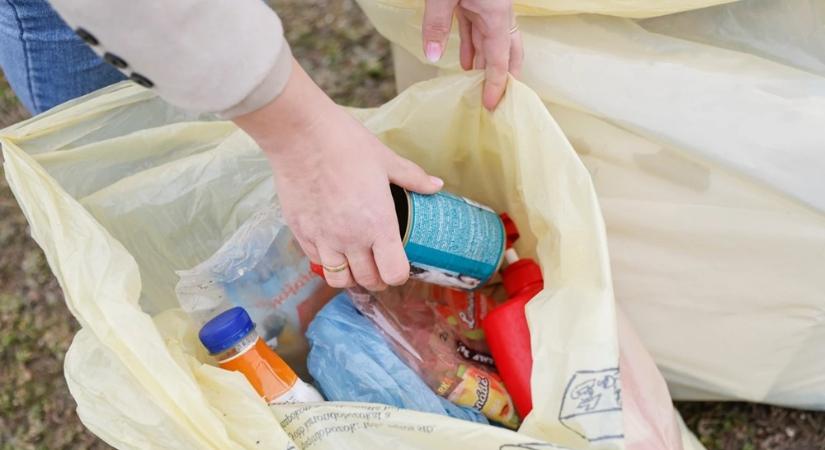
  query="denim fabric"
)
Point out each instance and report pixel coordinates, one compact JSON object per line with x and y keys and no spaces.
{"x":43,"y":59}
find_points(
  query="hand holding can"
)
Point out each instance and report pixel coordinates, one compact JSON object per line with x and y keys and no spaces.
{"x":449,"y":240}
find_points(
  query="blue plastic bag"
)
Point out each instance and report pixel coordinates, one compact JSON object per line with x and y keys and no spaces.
{"x":351,"y":361}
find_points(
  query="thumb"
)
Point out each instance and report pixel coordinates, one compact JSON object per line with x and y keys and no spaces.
{"x":438,"y":19}
{"x":410,"y":176}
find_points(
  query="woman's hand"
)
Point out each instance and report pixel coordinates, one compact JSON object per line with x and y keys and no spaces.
{"x":489,"y":39}
{"x":333,"y":180}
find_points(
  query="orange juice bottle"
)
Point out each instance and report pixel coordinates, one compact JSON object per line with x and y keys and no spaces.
{"x":231,"y":338}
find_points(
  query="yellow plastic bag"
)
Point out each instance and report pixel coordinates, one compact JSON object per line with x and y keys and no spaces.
{"x":620,"y":8}
{"x":121,"y":190}
{"x":704,"y":135}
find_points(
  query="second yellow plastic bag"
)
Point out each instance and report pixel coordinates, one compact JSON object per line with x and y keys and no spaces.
{"x":703,"y":134}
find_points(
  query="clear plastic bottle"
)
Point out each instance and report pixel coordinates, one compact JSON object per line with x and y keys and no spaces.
{"x":231,"y":338}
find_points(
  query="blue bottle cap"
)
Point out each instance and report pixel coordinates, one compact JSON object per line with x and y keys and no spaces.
{"x":225,"y":330}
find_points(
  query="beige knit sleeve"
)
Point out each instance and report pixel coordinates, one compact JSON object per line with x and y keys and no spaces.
{"x":225,"y":56}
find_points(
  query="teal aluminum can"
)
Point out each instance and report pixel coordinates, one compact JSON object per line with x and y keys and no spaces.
{"x":449,"y":240}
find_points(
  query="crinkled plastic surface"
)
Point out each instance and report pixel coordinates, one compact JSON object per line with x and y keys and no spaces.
{"x":703,"y":132}
{"x":408,"y":318}
{"x":789,"y":32}
{"x":262,"y":269}
{"x":350,"y":360}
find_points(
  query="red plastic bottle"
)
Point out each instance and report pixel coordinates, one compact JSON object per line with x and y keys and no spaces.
{"x":506,"y":329}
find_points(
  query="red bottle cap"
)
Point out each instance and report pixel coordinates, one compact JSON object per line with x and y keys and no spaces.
{"x":510,"y":229}
{"x":521,"y":275}
{"x":317,"y":269}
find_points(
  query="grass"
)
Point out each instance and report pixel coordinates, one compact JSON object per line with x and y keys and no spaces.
{"x":338,"y":47}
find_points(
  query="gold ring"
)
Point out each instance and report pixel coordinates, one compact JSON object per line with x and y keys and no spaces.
{"x":338,"y":268}
{"x":514,"y":28}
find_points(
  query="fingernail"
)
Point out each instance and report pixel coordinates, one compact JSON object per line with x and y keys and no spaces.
{"x":433,"y":51}
{"x":437,"y":181}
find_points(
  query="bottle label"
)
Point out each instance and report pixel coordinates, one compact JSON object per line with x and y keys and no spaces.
{"x":300,"y":392}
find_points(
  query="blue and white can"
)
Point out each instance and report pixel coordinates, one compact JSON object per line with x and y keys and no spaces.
{"x":449,"y":240}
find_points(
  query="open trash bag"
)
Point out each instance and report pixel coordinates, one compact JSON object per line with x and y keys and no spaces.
{"x":121,"y":190}
{"x":704,"y":133}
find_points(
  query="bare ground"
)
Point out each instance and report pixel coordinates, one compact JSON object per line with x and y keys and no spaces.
{"x":352,"y":63}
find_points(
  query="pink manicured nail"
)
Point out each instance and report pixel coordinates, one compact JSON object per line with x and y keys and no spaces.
{"x":437,"y":181}
{"x":433,"y":51}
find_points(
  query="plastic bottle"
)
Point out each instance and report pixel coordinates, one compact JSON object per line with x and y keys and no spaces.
{"x":231,"y":338}
{"x":506,"y":329}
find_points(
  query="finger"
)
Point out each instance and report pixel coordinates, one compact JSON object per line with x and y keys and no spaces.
{"x":391,"y":260}
{"x":363,"y":269}
{"x":467,"y":50}
{"x":516,"y":54}
{"x":497,"y":55}
{"x":438,"y":19}
{"x":332,"y":258}
{"x":478,"y":44}
{"x":411,"y":176}
{"x":310,"y":250}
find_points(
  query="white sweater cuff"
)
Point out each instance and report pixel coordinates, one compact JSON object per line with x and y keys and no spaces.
{"x":271,"y":86}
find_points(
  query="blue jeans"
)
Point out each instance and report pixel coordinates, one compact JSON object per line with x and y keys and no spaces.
{"x":45,"y":62}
